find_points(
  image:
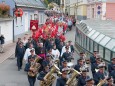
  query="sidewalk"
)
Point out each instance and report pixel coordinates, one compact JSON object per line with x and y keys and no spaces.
{"x":9,"y":49}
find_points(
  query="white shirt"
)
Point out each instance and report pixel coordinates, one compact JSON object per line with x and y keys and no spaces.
{"x":27,"y":53}
{"x":24,"y":42}
{"x":56,"y":53}
{"x":64,"y":50}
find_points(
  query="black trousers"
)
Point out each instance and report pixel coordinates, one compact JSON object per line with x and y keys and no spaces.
{"x":19,"y":62}
{"x":32,"y":80}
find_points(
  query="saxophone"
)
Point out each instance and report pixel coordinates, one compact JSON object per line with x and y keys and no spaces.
{"x":36,"y":67}
{"x":72,"y":80}
{"x":50,"y":77}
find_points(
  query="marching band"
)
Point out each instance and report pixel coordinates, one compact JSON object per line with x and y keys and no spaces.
{"x":48,"y":58}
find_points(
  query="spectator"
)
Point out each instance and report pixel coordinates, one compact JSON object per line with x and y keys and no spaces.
{"x":2,"y":41}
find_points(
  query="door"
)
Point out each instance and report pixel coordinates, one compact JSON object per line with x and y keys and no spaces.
{"x":26,"y":21}
{"x":92,"y":12}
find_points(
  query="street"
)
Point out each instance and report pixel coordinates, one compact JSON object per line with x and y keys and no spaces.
{"x":10,"y":76}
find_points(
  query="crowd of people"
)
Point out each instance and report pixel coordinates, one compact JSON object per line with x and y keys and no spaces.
{"x":46,"y":53}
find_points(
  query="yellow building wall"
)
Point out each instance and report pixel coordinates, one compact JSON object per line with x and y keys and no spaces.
{"x":82,"y":10}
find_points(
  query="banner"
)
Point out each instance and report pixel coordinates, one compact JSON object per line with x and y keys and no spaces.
{"x":33,"y":25}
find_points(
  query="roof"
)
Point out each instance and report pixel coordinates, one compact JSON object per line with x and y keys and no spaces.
{"x":100,"y":31}
{"x":6,"y":19}
{"x":106,"y":27}
{"x":30,"y":3}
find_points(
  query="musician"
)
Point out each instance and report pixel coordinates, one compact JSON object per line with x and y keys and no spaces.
{"x":64,"y":49}
{"x":111,"y":66}
{"x":60,"y":46}
{"x":82,"y":56}
{"x":89,"y":82}
{"x":64,"y":65}
{"x":100,"y":75}
{"x":43,"y":73}
{"x":40,"y":50}
{"x":61,"y":81}
{"x":95,"y":65}
{"x":31,"y":79}
{"x":82,"y":78}
{"x":57,"y":41}
{"x":113,"y":74}
{"x":67,"y":55}
{"x":47,"y":60}
{"x":79,"y":65}
{"x":93,"y":58}
{"x":109,"y":82}
{"x":71,"y":46}
{"x":33,"y":55}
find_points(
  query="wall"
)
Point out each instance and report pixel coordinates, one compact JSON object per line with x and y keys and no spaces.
{"x":82,"y":12}
{"x":6,"y":30}
{"x":110,"y":11}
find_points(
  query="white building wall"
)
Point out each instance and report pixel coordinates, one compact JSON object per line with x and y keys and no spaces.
{"x":6,"y":28}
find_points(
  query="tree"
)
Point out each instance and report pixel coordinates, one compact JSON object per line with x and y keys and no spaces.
{"x":46,"y":2}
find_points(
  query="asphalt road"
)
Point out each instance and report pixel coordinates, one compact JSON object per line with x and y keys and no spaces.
{"x":10,"y":76}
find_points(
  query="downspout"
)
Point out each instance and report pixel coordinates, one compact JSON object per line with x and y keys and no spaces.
{"x":13,"y":24}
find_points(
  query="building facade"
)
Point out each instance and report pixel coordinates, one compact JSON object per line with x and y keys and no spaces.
{"x":6,"y":29}
{"x":101,"y":9}
{"x":32,"y":10}
{"x":78,"y":8}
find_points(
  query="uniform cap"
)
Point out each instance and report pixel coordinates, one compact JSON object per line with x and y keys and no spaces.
{"x":113,"y":58}
{"x":101,"y":65}
{"x":32,"y":50}
{"x":89,"y":79}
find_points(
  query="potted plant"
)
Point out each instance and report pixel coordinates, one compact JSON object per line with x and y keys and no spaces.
{"x":4,"y":9}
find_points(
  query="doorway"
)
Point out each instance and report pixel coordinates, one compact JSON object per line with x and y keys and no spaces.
{"x":92,"y":12}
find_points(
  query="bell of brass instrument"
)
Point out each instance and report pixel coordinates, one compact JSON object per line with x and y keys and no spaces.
{"x":36,"y":67}
{"x":101,"y":82}
{"x":50,"y":77}
{"x":72,"y":80}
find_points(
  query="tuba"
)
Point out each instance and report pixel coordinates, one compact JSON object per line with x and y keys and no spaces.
{"x":36,"y":67}
{"x":49,"y":77}
{"x":102,"y":82}
{"x":72,"y":80}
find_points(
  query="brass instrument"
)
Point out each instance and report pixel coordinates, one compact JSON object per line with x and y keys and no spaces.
{"x":72,"y":80}
{"x":101,"y":82}
{"x":36,"y":67}
{"x":50,"y":77}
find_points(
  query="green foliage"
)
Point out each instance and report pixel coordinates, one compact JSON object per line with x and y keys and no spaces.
{"x":46,"y":2}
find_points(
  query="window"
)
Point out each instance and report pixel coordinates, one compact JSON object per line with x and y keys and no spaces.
{"x":107,"y":54}
{"x":91,"y":46}
{"x":35,"y":17}
{"x":101,"y":51}
{"x":30,"y":17}
{"x":88,"y":43}
{"x":3,"y":1}
{"x":95,"y":46}
{"x":41,"y":18}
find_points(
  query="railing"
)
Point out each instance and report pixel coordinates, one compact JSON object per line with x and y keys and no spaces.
{"x":84,"y":43}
